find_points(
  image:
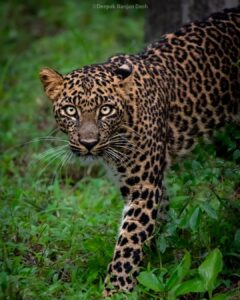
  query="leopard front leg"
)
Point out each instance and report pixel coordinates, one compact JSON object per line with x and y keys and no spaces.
{"x":137,"y":226}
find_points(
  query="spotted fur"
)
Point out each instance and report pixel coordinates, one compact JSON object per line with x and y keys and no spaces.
{"x":139,"y":111}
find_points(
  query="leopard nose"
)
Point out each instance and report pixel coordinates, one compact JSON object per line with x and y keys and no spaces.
{"x":89,"y":143}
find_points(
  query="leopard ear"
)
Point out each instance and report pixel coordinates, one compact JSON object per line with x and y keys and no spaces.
{"x":124,"y":71}
{"x":52,"y":82}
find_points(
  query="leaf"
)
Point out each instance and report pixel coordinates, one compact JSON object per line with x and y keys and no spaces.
{"x":220,"y":297}
{"x":180,"y":272}
{"x":211,"y":212}
{"x":194,"y":219}
{"x":162,"y":244}
{"x":236,"y":154}
{"x":150,"y":281}
{"x":237,"y":238}
{"x":210,"y":268}
{"x":177,"y":201}
{"x":196,"y":165}
{"x":190,"y":286}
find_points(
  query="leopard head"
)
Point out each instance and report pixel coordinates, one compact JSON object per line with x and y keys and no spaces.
{"x":90,"y":106}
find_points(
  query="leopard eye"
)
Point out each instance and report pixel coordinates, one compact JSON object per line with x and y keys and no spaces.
{"x":70,"y":110}
{"x":106,"y":110}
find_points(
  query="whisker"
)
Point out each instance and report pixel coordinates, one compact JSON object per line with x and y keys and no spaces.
{"x":124,"y":140}
{"x":51,"y":151}
{"x":51,"y":138}
{"x":43,"y":139}
{"x":60,"y":165}
{"x":111,"y":154}
{"x":131,"y":148}
{"x":38,"y":139}
{"x":120,"y":135}
{"x":107,"y":157}
{"x":120,"y":143}
{"x":123,"y":155}
{"x":69,"y":157}
{"x":51,"y":156}
{"x":48,"y":136}
{"x":52,"y":159}
{"x":48,"y":156}
{"x":53,"y":131}
{"x":118,"y":155}
{"x":126,"y":147}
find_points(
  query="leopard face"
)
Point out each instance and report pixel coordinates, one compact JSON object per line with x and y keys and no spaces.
{"x":89,"y":106}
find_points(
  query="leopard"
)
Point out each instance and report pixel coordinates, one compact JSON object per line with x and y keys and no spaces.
{"x":138,"y":112}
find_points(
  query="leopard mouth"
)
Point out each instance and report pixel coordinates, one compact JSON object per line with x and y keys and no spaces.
{"x":84,"y":153}
{"x":77,"y":151}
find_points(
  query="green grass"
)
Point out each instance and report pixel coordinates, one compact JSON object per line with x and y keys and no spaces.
{"x":58,"y":228}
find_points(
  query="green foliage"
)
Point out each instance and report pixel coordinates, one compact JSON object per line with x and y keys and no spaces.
{"x":58,"y":226}
{"x":209,"y":269}
{"x":149,"y":280}
{"x":172,"y":284}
